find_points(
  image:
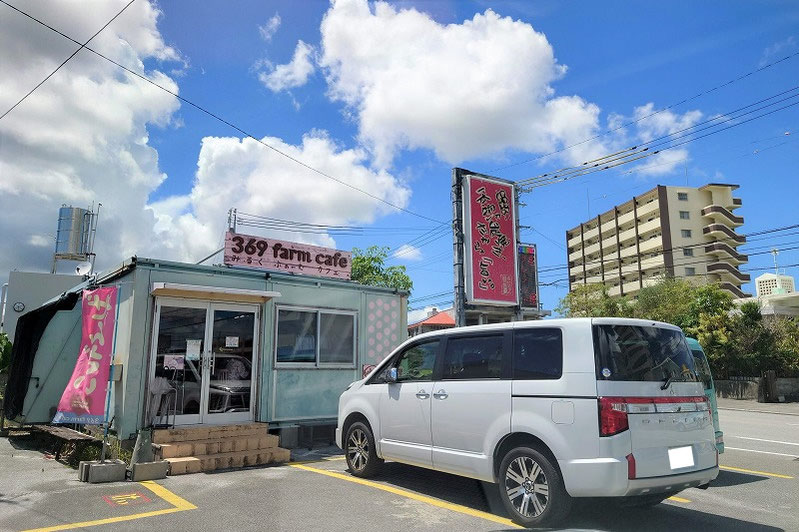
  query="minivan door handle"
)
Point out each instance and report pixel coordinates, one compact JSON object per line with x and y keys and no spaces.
{"x":421,"y":394}
{"x":441,"y":394}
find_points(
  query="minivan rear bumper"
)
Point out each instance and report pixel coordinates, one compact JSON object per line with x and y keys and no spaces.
{"x":607,"y":477}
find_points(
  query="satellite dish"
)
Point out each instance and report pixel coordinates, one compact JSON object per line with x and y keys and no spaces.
{"x":84,"y":268}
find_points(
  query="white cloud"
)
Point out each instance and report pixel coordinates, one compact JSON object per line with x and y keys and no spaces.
{"x":407,"y":252}
{"x":245,"y":174}
{"x":82,"y":136}
{"x":652,"y":128}
{"x":269,"y":29}
{"x":462,"y":90}
{"x":293,"y":74}
{"x":770,"y":53}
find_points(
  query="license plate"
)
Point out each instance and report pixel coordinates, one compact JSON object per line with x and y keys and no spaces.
{"x":680,"y":457}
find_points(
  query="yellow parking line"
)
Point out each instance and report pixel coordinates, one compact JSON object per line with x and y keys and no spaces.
{"x":327,"y":459}
{"x":679,"y":499}
{"x":179,"y":504}
{"x":411,"y":495}
{"x":777,"y":475}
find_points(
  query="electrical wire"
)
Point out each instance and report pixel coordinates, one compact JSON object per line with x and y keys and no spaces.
{"x":668,"y":107}
{"x":81,"y":47}
{"x":227,"y":122}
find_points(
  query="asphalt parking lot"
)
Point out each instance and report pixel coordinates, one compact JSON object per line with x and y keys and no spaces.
{"x":757,"y":489}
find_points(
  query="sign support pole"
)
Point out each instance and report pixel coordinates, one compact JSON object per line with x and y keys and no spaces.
{"x":110,"y":384}
{"x":457,"y":244}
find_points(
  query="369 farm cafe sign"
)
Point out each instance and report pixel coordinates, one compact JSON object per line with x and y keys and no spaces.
{"x":268,"y":254}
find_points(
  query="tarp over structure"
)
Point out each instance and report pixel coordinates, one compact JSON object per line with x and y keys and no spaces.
{"x":28,"y":334}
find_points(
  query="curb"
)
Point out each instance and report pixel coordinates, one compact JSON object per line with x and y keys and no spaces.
{"x":759,"y":411}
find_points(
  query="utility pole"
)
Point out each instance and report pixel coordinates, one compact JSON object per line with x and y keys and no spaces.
{"x":774,"y":253}
{"x":457,"y":247}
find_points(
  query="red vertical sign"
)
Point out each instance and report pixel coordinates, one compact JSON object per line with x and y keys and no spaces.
{"x":490,"y":231}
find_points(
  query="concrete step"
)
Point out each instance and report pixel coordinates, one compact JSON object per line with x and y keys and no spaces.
{"x":236,"y":459}
{"x":206,"y":432}
{"x":215,"y":445}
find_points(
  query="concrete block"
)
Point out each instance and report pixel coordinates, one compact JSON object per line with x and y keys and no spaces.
{"x":184,"y":465}
{"x":149,"y":470}
{"x":280,"y":455}
{"x":289,"y":437}
{"x":225,"y":446}
{"x":95,"y":472}
{"x":240,"y":444}
{"x":253,"y":444}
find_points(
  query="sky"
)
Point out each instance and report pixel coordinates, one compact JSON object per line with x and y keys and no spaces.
{"x":359,"y":111}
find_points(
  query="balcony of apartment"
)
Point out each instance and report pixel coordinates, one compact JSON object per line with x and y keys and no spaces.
{"x":728,"y":273}
{"x":722,"y":232}
{"x":577,"y":254}
{"x":651,"y":244}
{"x":648,"y":209}
{"x":736,"y":202}
{"x":725,"y":252}
{"x":734,"y":290}
{"x":647,"y":228}
{"x":721,"y":215}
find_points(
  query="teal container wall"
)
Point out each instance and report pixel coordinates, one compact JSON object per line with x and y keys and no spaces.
{"x":284,"y":394}
{"x":53,"y":365}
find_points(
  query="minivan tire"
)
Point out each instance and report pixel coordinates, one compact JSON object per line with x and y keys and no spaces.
{"x":360,"y":451}
{"x":531,"y":488}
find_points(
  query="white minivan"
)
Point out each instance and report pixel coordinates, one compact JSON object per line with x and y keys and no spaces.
{"x":549,"y":410}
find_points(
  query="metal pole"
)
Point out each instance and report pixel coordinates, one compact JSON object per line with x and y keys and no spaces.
{"x":457,"y":246}
{"x":110,"y":382}
{"x":519,"y":314}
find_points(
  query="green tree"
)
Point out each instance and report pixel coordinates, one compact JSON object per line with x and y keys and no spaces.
{"x":667,"y":300}
{"x":369,"y":268}
{"x":593,"y":300}
{"x":5,"y":352}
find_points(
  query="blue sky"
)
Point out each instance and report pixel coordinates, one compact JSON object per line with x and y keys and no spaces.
{"x":396,"y":114}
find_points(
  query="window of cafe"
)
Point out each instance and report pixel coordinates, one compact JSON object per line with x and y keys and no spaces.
{"x":313,"y":337}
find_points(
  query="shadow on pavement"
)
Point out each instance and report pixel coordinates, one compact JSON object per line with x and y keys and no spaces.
{"x":587,"y":514}
{"x":734,"y":478}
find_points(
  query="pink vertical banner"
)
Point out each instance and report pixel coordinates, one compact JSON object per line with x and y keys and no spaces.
{"x":83,"y":400}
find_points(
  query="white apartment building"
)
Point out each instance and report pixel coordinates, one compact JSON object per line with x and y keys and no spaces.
{"x":679,"y":231}
{"x":772,"y":283}
{"x":775,"y":295}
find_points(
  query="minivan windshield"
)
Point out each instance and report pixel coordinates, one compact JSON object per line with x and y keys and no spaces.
{"x":641,"y":353}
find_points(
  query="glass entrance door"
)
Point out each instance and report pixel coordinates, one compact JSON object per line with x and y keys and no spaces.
{"x":204,"y":362}
{"x":231,"y":365}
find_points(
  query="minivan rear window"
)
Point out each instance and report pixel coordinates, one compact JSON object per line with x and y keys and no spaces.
{"x":641,"y":353}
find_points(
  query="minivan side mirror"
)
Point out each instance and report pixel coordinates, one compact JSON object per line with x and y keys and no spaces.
{"x":391,"y":375}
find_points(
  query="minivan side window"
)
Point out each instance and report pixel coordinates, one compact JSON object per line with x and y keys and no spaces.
{"x":417,"y":362}
{"x":473,"y":357}
{"x":538,"y":354}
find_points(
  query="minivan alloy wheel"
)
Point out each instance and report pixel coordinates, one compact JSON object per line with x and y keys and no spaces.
{"x":527,"y":486}
{"x":358,"y":449}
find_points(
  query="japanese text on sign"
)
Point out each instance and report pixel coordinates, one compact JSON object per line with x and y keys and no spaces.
{"x":490,"y":227}
{"x":83,"y":400}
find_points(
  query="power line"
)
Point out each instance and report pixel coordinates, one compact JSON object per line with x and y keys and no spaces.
{"x":644,"y":150}
{"x":768,"y":231}
{"x":226,"y":122}
{"x":82,"y":46}
{"x":631,"y":122}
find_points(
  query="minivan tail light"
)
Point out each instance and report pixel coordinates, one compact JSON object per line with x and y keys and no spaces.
{"x":612,"y":416}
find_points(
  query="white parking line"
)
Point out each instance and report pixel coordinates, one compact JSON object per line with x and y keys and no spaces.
{"x":762,"y":452}
{"x":761,"y":439}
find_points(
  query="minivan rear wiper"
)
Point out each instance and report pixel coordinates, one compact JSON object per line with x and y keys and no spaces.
{"x":667,"y":382}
